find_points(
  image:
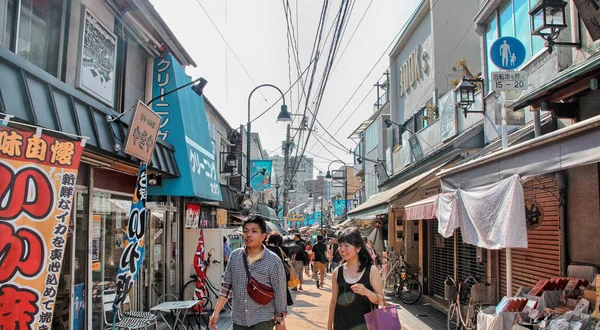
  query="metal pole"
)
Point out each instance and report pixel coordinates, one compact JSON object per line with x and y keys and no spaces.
{"x":509,"y":279}
{"x":345,"y":192}
{"x":286,"y":179}
{"x":248,"y":131}
{"x":322,"y":214}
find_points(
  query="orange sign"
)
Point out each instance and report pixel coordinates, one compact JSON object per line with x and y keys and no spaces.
{"x":143,"y":130}
{"x":37,"y":185}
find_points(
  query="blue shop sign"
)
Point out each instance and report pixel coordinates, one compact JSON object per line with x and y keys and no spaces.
{"x":507,"y":53}
{"x":185,"y":126}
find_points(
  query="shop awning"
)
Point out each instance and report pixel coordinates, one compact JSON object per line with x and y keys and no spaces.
{"x":577,"y":76}
{"x":421,"y":210}
{"x":33,"y":96}
{"x":370,"y":213}
{"x":344,"y":224}
{"x":184,"y":125}
{"x":572,"y":146}
{"x":379,"y":202}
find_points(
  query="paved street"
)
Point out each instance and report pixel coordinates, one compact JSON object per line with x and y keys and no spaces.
{"x":311,"y":308}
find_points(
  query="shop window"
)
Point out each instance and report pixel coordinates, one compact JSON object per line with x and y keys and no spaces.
{"x":7,"y":22}
{"x":108,"y":225}
{"x":40,"y":31}
{"x":512,"y":20}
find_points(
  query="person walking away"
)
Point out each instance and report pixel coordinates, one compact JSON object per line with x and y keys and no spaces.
{"x":374,"y":254}
{"x":300,"y":260}
{"x":275,"y":245}
{"x":226,"y":252}
{"x":334,"y":254}
{"x":356,"y":285}
{"x":369,"y":249}
{"x":308,"y":268}
{"x":267,"y":269}
{"x":319,"y":251}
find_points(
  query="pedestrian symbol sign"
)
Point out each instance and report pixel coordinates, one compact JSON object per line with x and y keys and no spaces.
{"x":507,"y":53}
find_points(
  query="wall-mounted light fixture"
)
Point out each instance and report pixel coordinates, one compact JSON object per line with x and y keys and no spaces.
{"x":464,"y":95}
{"x":548,"y":18}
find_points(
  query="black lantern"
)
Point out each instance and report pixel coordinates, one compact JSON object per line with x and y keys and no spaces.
{"x":230,"y":162}
{"x":328,"y":175}
{"x":284,"y":114}
{"x":548,"y":17}
{"x":465,"y":94}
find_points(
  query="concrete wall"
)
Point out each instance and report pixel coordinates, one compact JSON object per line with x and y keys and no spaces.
{"x":583,"y":214}
{"x":422,"y":90}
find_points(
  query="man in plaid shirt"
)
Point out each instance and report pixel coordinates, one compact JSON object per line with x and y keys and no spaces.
{"x":266,"y":267}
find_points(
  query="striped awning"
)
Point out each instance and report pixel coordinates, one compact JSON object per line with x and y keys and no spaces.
{"x":421,"y":210}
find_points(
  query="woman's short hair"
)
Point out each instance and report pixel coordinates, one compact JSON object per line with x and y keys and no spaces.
{"x":275,"y":238}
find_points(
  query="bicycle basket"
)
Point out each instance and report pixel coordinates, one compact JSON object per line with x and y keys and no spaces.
{"x":450,"y":290}
{"x":413,"y":270}
{"x":481,"y":293}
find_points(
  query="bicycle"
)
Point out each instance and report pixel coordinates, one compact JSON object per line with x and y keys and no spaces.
{"x":478,"y":298}
{"x":393,"y":275}
{"x":410,"y":289}
{"x":188,"y":290}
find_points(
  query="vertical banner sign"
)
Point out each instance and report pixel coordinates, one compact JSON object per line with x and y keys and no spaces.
{"x":200,"y":290}
{"x":260,"y":174}
{"x":133,"y":251}
{"x":37,"y":184}
{"x":338,"y":207}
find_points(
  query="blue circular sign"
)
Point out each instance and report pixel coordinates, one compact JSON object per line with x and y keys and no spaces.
{"x":507,"y":53}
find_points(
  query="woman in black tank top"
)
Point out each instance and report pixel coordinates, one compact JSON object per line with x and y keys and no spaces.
{"x":356,"y":286}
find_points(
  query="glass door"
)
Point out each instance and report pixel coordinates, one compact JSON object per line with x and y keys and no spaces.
{"x":157,"y":254}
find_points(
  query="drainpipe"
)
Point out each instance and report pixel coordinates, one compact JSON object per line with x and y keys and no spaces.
{"x":561,"y":185}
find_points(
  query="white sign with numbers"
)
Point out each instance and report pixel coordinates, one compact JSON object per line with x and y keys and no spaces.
{"x":509,"y":80}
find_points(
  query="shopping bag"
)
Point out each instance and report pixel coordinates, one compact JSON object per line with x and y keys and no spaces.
{"x":294,"y":282}
{"x":385,"y":318}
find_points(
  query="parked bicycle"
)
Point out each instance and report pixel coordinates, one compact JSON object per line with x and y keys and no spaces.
{"x":410,"y":289}
{"x":207,"y":288}
{"x":392,"y":273}
{"x":478,"y":296}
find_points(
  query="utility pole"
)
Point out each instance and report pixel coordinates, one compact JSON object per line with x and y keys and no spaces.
{"x":286,"y":178}
{"x":345,"y":192}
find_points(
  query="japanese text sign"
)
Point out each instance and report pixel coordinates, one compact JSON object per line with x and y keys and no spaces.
{"x":37,"y":184}
{"x":143,"y":130}
{"x":133,"y":251}
{"x":184,"y":124}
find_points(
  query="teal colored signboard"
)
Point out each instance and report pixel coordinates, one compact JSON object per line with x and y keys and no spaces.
{"x":260,"y":174}
{"x":338,"y":207}
{"x":185,"y":126}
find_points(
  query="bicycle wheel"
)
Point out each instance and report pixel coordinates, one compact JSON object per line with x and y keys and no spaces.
{"x":453,"y":318}
{"x":187,"y":293}
{"x":410,"y":290}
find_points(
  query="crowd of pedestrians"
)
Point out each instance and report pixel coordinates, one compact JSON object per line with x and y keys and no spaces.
{"x":256,"y":277}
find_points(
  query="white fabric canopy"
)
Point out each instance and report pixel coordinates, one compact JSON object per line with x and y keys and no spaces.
{"x":491,"y":217}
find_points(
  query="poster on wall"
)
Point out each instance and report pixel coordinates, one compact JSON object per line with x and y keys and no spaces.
{"x":37,"y":180}
{"x":135,"y":241}
{"x":338,"y":207}
{"x":192,"y":215}
{"x":78,"y":307}
{"x":260,"y":174}
{"x":406,"y":151}
{"x":97,"y":60}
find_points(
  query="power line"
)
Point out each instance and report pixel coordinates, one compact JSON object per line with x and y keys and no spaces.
{"x":228,"y":46}
{"x":352,"y":36}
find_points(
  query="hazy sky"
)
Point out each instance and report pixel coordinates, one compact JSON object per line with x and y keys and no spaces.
{"x":256,"y":31}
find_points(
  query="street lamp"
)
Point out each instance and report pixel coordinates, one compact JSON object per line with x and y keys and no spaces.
{"x":283,"y":116}
{"x":464,"y":95}
{"x":329,"y":177}
{"x":548,"y":18}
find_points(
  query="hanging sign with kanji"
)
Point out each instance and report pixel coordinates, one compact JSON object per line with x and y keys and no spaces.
{"x":37,"y":183}
{"x":133,"y":251}
{"x":143,"y":130}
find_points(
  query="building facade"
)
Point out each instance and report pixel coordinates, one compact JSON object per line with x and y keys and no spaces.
{"x":75,"y":69}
